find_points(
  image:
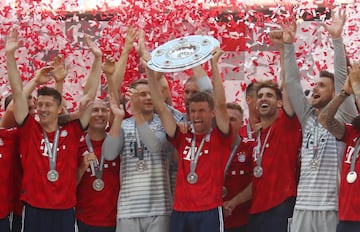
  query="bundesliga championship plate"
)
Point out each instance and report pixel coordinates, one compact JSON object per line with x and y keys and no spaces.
{"x":182,"y":53}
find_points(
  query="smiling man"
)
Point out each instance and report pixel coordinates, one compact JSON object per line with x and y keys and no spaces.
{"x":49,"y":151}
{"x":316,"y":205}
{"x":275,"y":168}
{"x":201,"y":161}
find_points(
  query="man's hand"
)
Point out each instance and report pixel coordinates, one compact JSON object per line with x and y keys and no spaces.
{"x":117,"y":110}
{"x":130,"y":38}
{"x":108,"y":66}
{"x":132,"y":95}
{"x":44,"y":75}
{"x":92,"y":46}
{"x":276,"y":37}
{"x":336,"y":25}
{"x":216,"y":54}
{"x":60,"y":71}
{"x":12,"y":42}
{"x":289,"y":33}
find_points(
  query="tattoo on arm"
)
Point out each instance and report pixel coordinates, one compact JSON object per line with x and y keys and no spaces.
{"x":328,"y":120}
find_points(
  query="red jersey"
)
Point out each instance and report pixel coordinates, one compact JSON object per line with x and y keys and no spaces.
{"x":206,"y":193}
{"x":17,"y":174}
{"x":8,"y":152}
{"x":239,"y":176}
{"x":280,"y":163}
{"x":98,"y":208}
{"x":37,"y":190}
{"x":349,"y":202}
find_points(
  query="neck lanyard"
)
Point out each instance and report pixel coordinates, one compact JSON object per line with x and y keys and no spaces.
{"x":233,"y":151}
{"x":352,"y":175}
{"x":248,"y":129}
{"x":97,"y":170}
{"x":195,"y":157}
{"x":316,"y":144}
{"x":138,"y":146}
{"x":52,"y":153}
{"x":259,"y":154}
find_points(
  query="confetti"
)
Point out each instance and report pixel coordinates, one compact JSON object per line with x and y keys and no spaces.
{"x":48,"y":28}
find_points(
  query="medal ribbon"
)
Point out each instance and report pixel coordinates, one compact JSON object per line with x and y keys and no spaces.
{"x":195,"y":157}
{"x":249,"y":132}
{"x":232,"y":154}
{"x":138,"y":146}
{"x":355,"y":155}
{"x":52,"y":153}
{"x":98,"y":170}
{"x":315,"y":145}
{"x":259,"y":155}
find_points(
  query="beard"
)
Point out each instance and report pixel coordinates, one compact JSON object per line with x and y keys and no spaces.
{"x":356,"y":123}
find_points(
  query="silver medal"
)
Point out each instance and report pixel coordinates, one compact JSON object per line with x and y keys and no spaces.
{"x":224,"y":192}
{"x":192,"y":178}
{"x":52,"y":175}
{"x":314,"y":164}
{"x":98,"y":184}
{"x":258,"y":171}
{"x":351,"y":177}
{"x":141,"y":166}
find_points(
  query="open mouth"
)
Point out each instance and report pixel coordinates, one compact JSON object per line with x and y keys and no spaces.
{"x":197,"y":122}
{"x":264,"y":105}
{"x":315,"y":96}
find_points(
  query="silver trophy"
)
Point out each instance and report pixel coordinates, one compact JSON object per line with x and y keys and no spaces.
{"x":182,"y":53}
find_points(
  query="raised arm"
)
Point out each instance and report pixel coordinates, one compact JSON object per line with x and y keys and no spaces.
{"x":202,"y":79}
{"x":221,"y":116}
{"x":60,"y":72}
{"x":117,"y":77}
{"x":347,"y":110}
{"x":162,"y":110}
{"x":42,"y":76}
{"x":93,"y":80}
{"x":277,"y":38}
{"x":19,"y":98}
{"x":20,"y":102}
{"x":295,"y":91}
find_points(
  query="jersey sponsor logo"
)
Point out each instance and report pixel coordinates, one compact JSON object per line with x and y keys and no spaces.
{"x":187,"y":152}
{"x":44,"y":149}
{"x":349,"y":154}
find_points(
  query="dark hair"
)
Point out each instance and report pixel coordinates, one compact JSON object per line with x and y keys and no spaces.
{"x":356,"y":122}
{"x":202,"y":97}
{"x":234,"y":106}
{"x":7,"y":101}
{"x":251,"y":89}
{"x":9,"y":98}
{"x":307,"y":92}
{"x":270,"y":84}
{"x":138,"y":82}
{"x":326,"y":74}
{"x":48,"y":91}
